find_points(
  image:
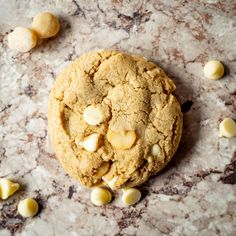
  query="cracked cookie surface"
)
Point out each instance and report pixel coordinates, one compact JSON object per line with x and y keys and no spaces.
{"x":135,"y":95}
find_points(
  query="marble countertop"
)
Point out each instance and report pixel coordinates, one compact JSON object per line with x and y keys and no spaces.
{"x":196,"y":193}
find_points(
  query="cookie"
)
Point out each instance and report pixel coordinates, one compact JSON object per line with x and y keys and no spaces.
{"x":113,"y":119}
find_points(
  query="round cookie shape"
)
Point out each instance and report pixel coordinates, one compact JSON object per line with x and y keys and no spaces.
{"x":139,"y":112}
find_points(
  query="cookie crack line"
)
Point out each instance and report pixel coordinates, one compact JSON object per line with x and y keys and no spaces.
{"x":95,"y":69}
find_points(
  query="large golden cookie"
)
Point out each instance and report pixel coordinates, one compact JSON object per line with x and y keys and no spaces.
{"x":140,"y":121}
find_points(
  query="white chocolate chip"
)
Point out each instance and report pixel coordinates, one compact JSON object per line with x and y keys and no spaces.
{"x":46,"y":25}
{"x":155,"y":150}
{"x":131,"y":196}
{"x":111,"y":183}
{"x":122,"y":140}
{"x":214,"y":70}
{"x":22,"y":39}
{"x":100,"y":196}
{"x":227,"y":128}
{"x":102,"y":170}
{"x":93,"y":115}
{"x":7,"y":188}
{"x":91,"y":142}
{"x":124,"y":189}
{"x":28,"y":207}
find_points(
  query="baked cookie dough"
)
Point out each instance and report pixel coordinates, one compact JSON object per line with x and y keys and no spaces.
{"x":113,"y":119}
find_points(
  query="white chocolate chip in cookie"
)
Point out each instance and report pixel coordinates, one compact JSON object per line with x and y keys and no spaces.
{"x":227,"y":128}
{"x":155,"y":150}
{"x":131,"y":196}
{"x":100,"y":196}
{"x":93,"y":115}
{"x":7,"y":188}
{"x":28,"y":207}
{"x":213,"y":70}
{"x":102,"y":170}
{"x":122,"y":140}
{"x":124,"y":189}
{"x":111,"y":183}
{"x":22,"y":39}
{"x":91,"y":142}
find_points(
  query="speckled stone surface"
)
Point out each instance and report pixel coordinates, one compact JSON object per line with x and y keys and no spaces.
{"x":196,"y":193}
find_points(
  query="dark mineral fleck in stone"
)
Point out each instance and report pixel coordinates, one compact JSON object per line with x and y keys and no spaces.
{"x":186,"y":106}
